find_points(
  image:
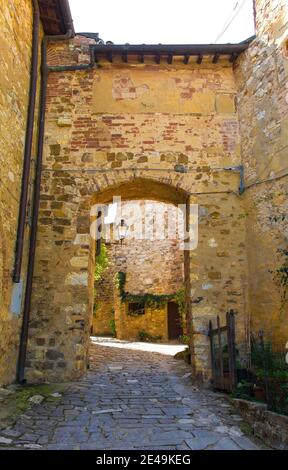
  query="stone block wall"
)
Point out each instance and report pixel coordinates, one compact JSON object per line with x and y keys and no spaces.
{"x":153,"y":322}
{"x":15,"y":56}
{"x":262,"y":99}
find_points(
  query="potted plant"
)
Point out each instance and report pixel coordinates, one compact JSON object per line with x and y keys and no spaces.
{"x":259,"y":393}
{"x":244,"y":390}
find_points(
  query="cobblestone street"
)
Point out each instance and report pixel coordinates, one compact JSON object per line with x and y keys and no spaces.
{"x":130,"y":399}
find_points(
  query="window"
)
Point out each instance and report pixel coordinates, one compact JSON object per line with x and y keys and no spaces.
{"x":136,"y":308}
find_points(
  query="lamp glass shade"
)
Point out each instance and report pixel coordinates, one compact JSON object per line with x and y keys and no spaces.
{"x":122,"y":230}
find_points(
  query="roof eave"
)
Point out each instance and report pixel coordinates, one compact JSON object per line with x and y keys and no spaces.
{"x":56,"y":17}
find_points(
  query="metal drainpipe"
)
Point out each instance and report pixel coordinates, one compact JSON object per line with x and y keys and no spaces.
{"x":28,"y":145}
{"x":37,"y":187}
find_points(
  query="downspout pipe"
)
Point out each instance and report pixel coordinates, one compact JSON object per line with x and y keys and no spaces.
{"x":36,"y":199}
{"x":28,"y":145}
{"x":37,"y":189}
{"x":38,"y":172}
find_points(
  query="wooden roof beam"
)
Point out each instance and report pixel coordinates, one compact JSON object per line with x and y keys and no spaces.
{"x":186,"y":59}
{"x":170,"y":59}
{"x":233,"y":57}
{"x":199,"y":59}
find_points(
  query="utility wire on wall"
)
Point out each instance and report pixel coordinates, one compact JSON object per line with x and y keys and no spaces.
{"x":233,"y":15}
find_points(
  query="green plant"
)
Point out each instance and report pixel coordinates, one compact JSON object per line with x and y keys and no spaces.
{"x":246,"y":428}
{"x":184,"y":339}
{"x":179,"y":298}
{"x":95,"y":307}
{"x":243,"y":390}
{"x":101,"y":263}
{"x":120,"y":280}
{"x":145,"y":336}
{"x":149,"y":300}
{"x":112,"y":325}
{"x":280,"y":275}
{"x":271,"y":373}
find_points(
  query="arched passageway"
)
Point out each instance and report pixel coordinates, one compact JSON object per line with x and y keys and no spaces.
{"x":147,"y":272}
{"x":139,"y":288}
{"x":63,"y":301}
{"x":62,"y":304}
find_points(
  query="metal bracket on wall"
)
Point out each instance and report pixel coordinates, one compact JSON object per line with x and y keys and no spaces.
{"x":240,"y":170}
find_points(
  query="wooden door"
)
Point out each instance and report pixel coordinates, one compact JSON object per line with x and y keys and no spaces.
{"x":174,"y":321}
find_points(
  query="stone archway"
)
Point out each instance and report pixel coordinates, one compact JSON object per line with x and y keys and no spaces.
{"x":62,"y":294}
{"x":62,"y":289}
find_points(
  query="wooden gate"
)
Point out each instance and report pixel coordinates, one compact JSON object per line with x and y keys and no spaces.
{"x":223,"y":353}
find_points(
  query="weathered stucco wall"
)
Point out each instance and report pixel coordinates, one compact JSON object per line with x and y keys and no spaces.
{"x":262,"y":80}
{"x":111,"y":119}
{"x":15,"y":55}
{"x":153,"y":264}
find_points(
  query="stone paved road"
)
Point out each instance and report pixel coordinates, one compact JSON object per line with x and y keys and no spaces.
{"x":130,"y":399}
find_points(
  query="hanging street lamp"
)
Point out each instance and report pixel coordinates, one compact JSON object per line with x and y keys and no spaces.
{"x":122,"y":229}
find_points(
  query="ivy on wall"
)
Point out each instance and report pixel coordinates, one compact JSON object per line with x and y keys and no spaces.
{"x":153,"y":301}
{"x":101,"y":264}
{"x":280,"y":275}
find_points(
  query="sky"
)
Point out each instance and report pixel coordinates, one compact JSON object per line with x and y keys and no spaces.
{"x":165,"y":21}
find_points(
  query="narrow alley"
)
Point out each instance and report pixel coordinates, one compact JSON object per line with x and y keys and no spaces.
{"x":135,"y":396}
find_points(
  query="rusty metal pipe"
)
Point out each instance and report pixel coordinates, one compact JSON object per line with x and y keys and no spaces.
{"x":28,"y":145}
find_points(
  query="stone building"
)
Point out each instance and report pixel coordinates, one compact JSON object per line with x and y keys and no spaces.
{"x":203,"y":126}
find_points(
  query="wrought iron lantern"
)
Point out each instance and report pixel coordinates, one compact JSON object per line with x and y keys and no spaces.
{"x":122,"y":230}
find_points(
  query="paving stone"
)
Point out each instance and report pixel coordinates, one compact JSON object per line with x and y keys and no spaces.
{"x":5,"y":440}
{"x":200,"y":443}
{"x":170,"y":437}
{"x":225,"y":444}
{"x":186,"y":421}
{"x":109,"y":410}
{"x":32,"y":446}
{"x":11,"y":433}
{"x":245,"y":443}
{"x":151,"y":405}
